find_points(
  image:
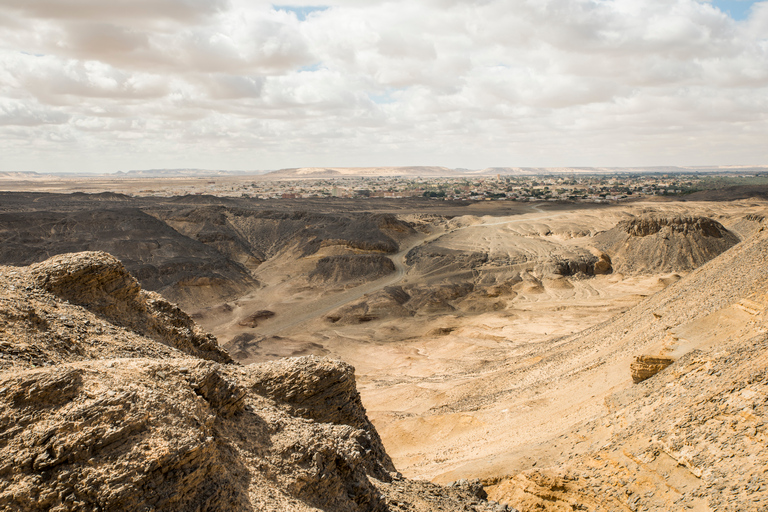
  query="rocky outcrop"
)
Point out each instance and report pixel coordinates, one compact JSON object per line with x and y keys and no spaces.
{"x":325,"y":391}
{"x":426,"y":259}
{"x":586,"y":265}
{"x":645,"y":367}
{"x":171,"y":435}
{"x":107,"y":403}
{"x":253,"y":319}
{"x":654,"y":243}
{"x":603,"y":264}
{"x":395,"y":301}
{"x":650,"y":225}
{"x":243,"y":233}
{"x":99,"y":282}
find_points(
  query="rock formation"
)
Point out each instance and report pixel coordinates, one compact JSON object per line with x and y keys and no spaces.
{"x":252,"y":320}
{"x":344,"y":268}
{"x":161,"y":258}
{"x":100,"y":283}
{"x":654,"y":243}
{"x":112,"y":399}
{"x":645,"y":367}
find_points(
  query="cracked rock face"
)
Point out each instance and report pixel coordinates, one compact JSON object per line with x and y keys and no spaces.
{"x":175,"y":435}
{"x":113,"y":399}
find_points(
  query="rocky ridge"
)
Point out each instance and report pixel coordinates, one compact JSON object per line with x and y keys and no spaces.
{"x":112,"y":399}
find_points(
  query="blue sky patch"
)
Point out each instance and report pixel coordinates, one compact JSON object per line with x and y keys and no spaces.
{"x":301,"y":11}
{"x":384,"y":97}
{"x":736,"y":9}
{"x":311,"y":68}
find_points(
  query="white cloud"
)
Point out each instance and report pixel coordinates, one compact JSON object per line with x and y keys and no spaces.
{"x":129,"y":84}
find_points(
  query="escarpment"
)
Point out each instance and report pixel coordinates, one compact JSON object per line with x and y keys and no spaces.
{"x":161,"y":258}
{"x":688,"y":431}
{"x":112,"y":399}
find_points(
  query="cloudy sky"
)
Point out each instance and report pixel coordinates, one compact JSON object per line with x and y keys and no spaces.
{"x":102,"y":86}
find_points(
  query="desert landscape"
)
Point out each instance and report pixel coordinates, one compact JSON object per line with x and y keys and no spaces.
{"x":383,"y":256}
{"x":564,"y":356}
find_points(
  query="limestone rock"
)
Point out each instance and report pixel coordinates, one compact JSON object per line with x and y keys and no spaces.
{"x":99,"y":282}
{"x":322,"y":390}
{"x":645,"y":367}
{"x":252,"y":320}
{"x":351,"y":267}
{"x":161,"y":258}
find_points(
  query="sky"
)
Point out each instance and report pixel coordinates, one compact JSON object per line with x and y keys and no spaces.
{"x":95,"y":86}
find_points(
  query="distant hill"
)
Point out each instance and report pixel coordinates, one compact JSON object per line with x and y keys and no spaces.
{"x":336,"y":172}
{"x":18,"y":175}
{"x":170,"y":173}
{"x":405,"y":171}
{"x":427,"y":171}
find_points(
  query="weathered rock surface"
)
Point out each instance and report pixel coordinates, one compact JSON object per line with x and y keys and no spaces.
{"x":396,"y":301}
{"x":99,"y":282}
{"x":263,"y":234}
{"x":645,"y":367}
{"x":107,"y":403}
{"x":191,"y":251}
{"x":253,"y":319}
{"x":692,"y":437}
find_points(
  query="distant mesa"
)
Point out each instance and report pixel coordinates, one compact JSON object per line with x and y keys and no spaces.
{"x":335,"y":172}
{"x":180,"y":173}
{"x":435,"y":171}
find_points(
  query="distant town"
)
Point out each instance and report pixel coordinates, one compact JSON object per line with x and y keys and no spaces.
{"x":591,"y":189}
{"x":578,"y":186}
